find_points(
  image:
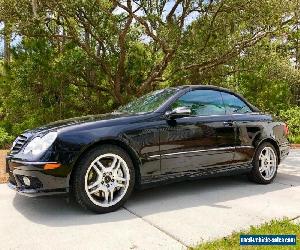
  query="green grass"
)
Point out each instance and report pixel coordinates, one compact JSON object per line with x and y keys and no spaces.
{"x":274,"y":227}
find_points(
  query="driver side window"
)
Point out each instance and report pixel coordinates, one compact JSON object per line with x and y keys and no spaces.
{"x":201,"y":102}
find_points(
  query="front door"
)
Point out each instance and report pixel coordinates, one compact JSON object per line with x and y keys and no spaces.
{"x":205,"y":140}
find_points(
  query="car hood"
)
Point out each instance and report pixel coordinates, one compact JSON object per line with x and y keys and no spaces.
{"x":90,"y":119}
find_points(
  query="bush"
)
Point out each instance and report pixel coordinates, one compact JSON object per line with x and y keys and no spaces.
{"x":294,"y":139}
{"x":5,"y":138}
{"x":292,"y":118}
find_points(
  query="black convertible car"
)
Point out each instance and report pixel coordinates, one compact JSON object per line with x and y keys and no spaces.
{"x":168,"y":135}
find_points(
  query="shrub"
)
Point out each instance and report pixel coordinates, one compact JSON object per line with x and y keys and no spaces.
{"x":5,"y":138}
{"x":292,"y":117}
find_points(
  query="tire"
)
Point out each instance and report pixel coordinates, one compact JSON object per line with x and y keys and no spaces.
{"x":258,"y":174}
{"x":99,"y":187}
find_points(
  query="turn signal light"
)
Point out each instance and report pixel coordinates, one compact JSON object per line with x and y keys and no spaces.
{"x":51,"y":166}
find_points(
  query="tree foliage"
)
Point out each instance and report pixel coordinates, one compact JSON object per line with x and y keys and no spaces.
{"x":78,"y":57}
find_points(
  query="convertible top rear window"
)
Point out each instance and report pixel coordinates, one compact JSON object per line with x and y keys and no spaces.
{"x":235,"y":105}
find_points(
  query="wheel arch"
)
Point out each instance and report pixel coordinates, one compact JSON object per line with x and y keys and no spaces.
{"x":131,"y":152}
{"x":257,"y":143}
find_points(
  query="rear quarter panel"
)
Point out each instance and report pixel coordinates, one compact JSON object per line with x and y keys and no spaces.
{"x":252,"y":130}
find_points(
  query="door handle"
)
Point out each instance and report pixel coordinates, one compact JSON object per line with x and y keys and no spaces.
{"x":228,"y":124}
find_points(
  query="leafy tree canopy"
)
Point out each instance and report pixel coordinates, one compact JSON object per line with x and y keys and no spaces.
{"x":78,"y":57}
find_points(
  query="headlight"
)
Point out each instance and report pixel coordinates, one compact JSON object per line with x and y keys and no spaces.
{"x":40,"y":144}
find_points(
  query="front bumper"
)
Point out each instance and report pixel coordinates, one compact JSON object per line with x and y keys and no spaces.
{"x":42,"y":182}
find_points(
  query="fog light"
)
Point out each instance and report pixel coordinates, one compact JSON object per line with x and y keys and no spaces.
{"x":26,"y":181}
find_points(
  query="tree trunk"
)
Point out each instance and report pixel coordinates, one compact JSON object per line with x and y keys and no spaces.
{"x":34,"y":7}
{"x":7,"y":40}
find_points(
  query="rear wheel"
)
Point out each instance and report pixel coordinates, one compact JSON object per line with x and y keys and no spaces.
{"x":104,"y":179}
{"x":265,"y":164}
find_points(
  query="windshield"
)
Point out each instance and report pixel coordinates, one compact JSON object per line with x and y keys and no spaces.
{"x":149,"y":102}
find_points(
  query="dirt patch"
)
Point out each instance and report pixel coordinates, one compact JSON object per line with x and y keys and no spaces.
{"x":3,"y":178}
{"x":3,"y":175}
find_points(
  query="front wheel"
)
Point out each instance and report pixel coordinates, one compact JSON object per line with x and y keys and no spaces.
{"x":265,"y":164}
{"x":104,"y":179}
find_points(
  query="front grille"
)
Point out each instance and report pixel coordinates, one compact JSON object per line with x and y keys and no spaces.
{"x":19,"y":143}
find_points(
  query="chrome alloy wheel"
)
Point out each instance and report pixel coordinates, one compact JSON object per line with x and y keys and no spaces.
{"x":107,"y":180}
{"x":267,"y":163}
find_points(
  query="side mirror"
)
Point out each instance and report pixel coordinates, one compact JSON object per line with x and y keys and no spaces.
{"x":178,"y":113}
